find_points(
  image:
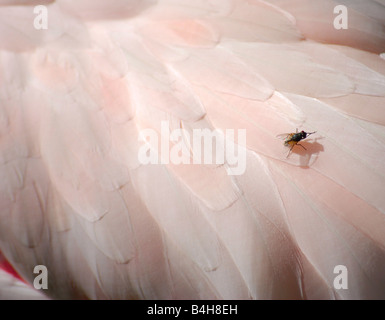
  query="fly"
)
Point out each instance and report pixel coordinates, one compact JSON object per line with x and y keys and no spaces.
{"x":292,"y":139}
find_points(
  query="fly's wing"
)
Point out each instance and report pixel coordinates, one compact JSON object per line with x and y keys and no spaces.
{"x":284,"y":136}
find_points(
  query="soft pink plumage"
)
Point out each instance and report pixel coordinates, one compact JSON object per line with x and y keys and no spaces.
{"x":74,"y":197}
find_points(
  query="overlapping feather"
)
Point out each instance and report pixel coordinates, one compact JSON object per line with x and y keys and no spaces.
{"x":75,"y":198}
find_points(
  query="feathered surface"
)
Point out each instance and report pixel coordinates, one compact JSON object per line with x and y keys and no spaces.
{"x":74,"y":197}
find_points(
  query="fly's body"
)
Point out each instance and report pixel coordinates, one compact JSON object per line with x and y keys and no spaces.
{"x":292,"y":139}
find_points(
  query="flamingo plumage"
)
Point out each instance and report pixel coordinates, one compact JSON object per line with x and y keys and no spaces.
{"x":74,"y":197}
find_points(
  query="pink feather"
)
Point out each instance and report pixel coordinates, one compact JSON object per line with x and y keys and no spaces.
{"x":76,"y":97}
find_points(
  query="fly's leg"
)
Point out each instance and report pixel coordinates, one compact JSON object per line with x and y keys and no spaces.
{"x":288,"y":154}
{"x":301,"y":146}
{"x":290,"y":150}
{"x":297,"y":144}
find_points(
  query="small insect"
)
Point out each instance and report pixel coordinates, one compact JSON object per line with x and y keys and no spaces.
{"x":292,"y":139}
